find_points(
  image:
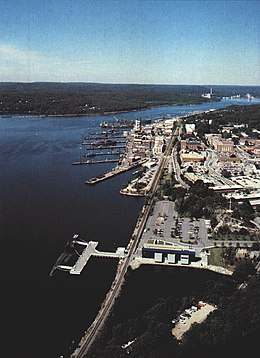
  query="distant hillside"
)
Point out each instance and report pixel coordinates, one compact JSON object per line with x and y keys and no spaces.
{"x":46,"y":98}
{"x":91,"y":98}
{"x":234,"y":90}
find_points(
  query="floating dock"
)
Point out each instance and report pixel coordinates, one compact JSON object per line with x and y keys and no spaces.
{"x":89,"y":251}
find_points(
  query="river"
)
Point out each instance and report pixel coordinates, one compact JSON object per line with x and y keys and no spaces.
{"x":43,"y":202}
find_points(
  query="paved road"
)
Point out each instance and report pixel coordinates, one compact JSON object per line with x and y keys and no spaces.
{"x":176,"y":167}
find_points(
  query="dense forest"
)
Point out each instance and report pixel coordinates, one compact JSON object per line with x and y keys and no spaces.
{"x":231,"y":330}
{"x":199,"y":201}
{"x":51,"y":98}
{"x":90,"y":98}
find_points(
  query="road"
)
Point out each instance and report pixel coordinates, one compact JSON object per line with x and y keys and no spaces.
{"x":96,"y":327}
{"x":176,"y":166}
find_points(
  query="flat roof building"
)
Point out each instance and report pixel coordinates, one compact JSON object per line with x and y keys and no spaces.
{"x":192,"y":157}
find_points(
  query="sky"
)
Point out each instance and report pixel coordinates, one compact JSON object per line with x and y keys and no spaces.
{"x":130,"y":41}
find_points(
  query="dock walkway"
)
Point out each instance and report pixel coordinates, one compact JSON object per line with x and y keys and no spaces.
{"x":89,"y":251}
{"x":114,"y":172}
{"x":95,"y":162}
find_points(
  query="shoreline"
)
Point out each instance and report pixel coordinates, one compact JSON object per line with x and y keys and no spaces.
{"x":137,"y":262}
{"x":27,"y":115}
{"x":70,"y":115}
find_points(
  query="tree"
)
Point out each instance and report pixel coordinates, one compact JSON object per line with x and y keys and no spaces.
{"x":243,"y":231}
{"x":225,"y":173}
{"x":224,"y":230}
{"x":243,"y":269}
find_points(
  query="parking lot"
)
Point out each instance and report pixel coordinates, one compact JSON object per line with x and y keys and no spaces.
{"x":164,"y":224}
{"x":184,"y":324}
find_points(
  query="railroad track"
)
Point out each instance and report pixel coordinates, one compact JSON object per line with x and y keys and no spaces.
{"x":95,"y":328}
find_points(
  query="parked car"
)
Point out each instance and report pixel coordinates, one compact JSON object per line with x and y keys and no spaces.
{"x":187,"y":315}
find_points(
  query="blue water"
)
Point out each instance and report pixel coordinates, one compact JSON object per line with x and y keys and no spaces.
{"x":43,"y":202}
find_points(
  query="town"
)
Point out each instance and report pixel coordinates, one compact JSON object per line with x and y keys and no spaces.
{"x":208,"y":194}
{"x":199,"y":180}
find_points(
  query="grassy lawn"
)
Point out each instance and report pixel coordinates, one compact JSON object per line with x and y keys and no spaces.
{"x":215,"y":256}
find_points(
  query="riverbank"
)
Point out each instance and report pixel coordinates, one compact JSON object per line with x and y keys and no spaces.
{"x":140,"y":111}
{"x":139,"y":261}
{"x":105,"y":113}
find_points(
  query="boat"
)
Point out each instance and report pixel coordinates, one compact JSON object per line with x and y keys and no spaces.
{"x":90,"y":155}
{"x":104,"y":124}
{"x":118,"y":123}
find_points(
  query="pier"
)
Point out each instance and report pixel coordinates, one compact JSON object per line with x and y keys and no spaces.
{"x":104,"y":142}
{"x":89,"y":251}
{"x":105,"y":147}
{"x":110,"y":132}
{"x":95,"y":162}
{"x":105,"y":136}
{"x":114,"y":172}
{"x":117,"y":152}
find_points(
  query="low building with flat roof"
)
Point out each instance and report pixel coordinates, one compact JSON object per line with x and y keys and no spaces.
{"x":229,"y":160}
{"x":192,"y":157}
{"x":161,"y":251}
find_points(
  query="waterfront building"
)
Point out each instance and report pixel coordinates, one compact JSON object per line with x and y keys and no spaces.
{"x":161,"y":251}
{"x":207,"y":95}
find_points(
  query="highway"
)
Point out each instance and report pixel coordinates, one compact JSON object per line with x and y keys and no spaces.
{"x":95,"y":329}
